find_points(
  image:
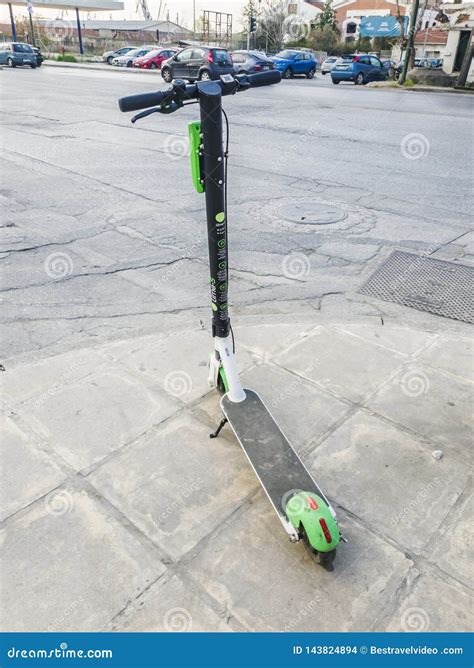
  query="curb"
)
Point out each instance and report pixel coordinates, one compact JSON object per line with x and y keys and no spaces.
{"x":423,"y":89}
{"x":97,"y":67}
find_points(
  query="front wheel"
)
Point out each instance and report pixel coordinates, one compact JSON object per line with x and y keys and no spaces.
{"x":166,"y":74}
{"x":359,"y":80}
{"x":153,"y":66}
{"x":335,"y":81}
{"x":311,"y":73}
{"x":288,"y":73}
{"x":130,"y":63}
{"x":109,"y":60}
{"x":33,"y":67}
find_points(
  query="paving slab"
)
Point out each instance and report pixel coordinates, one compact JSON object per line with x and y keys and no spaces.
{"x":452,"y":546}
{"x":86,"y":566}
{"x":91,"y":418}
{"x":179,"y":363}
{"x":266,"y":339}
{"x":388,"y":478}
{"x":404,"y":340}
{"x":170,"y":606}
{"x":27,"y":472}
{"x":433,"y":404}
{"x":38,"y":379}
{"x":433,"y":605}
{"x":345,"y":364}
{"x":269,"y":584}
{"x":455,"y":355}
{"x":176,"y":484}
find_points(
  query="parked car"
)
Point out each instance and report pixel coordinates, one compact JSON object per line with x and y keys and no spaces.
{"x":17,"y":54}
{"x":249,"y":62}
{"x":198,"y":63}
{"x":359,"y":68}
{"x":108,"y":56}
{"x":39,"y":56}
{"x":295,"y":61}
{"x":154,"y":59}
{"x":390,"y":66}
{"x":328,"y":64}
{"x":127,"y":59}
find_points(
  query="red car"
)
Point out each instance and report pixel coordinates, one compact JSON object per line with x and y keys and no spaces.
{"x":153,"y":59}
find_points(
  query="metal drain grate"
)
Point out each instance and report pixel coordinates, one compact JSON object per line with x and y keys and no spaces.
{"x":436,"y":286}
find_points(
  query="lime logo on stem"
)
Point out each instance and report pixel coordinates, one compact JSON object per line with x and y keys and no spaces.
{"x":220,"y":217}
{"x":222,"y":265}
{"x":221,"y":243}
{"x":222,"y":287}
{"x":224,"y":307}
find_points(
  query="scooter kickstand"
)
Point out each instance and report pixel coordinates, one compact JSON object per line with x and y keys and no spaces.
{"x":219,"y":428}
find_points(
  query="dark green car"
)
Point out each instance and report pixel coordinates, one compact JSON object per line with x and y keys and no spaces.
{"x":17,"y":54}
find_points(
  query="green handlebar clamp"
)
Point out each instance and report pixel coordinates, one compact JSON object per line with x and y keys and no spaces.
{"x":195,"y":152}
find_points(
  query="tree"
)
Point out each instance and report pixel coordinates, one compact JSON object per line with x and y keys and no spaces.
{"x":327,"y":18}
{"x":272,"y":23}
{"x":324,"y":39}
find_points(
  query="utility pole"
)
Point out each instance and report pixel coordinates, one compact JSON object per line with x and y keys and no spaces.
{"x":29,"y":7}
{"x":411,"y":40}
{"x":466,"y":64}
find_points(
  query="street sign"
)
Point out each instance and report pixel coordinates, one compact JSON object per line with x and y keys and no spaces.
{"x":29,"y":7}
{"x":381,"y":26}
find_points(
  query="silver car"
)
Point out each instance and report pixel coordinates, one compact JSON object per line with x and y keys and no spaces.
{"x":108,"y":56}
{"x":328,"y":64}
{"x":128,"y":58}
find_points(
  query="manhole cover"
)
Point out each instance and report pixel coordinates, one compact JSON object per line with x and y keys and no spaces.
{"x":439,"y":287}
{"x":312,"y":213}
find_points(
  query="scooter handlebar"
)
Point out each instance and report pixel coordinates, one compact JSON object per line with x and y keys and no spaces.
{"x":142,"y":100}
{"x":264,"y":78}
{"x":242,"y":82}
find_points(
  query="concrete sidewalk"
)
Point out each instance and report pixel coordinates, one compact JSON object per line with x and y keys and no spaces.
{"x":117,"y":510}
{"x":137,"y":521}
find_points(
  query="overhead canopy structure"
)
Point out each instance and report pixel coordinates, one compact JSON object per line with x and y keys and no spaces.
{"x":77,"y":5}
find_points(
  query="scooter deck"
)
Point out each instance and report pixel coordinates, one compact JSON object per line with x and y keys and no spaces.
{"x":276,"y":464}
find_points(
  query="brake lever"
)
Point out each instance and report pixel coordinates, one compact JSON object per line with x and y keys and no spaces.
{"x":166,"y":109}
{"x":147,"y":112}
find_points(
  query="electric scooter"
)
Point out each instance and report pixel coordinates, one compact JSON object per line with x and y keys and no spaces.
{"x":301,"y":506}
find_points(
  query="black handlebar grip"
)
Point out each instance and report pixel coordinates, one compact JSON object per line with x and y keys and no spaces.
{"x":142,"y":101}
{"x":264,"y":78}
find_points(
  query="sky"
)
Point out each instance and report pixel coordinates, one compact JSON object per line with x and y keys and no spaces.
{"x":182,"y":8}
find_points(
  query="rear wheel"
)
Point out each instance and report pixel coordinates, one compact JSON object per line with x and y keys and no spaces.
{"x":324,"y":559}
{"x":10,"y":62}
{"x":205,"y":75}
{"x":359,"y":80}
{"x":288,"y":73}
{"x":153,"y":66}
{"x":166,"y":74}
{"x":311,"y":73}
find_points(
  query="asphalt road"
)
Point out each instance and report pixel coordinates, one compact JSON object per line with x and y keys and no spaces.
{"x":117,"y":202}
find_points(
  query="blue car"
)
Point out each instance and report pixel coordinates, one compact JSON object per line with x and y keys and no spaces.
{"x":359,"y":68}
{"x":292,"y":61}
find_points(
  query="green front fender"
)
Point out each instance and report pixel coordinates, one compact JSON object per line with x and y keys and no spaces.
{"x":312,"y":512}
